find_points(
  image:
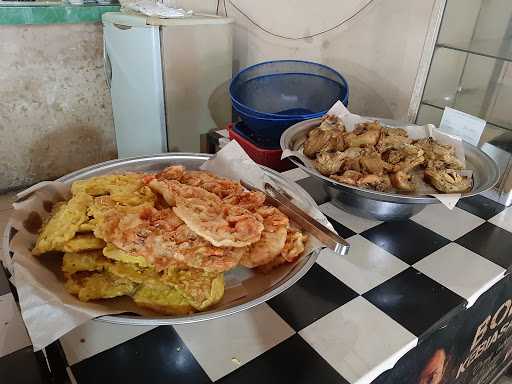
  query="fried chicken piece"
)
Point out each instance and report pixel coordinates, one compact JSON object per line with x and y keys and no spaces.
{"x":273,"y":238}
{"x":328,"y":163}
{"x":402,"y":181}
{"x":372,"y":163}
{"x":327,"y":137}
{"x":348,"y":177}
{"x":365,"y":134}
{"x":376,"y":182}
{"x":222,"y":224}
{"x":448,"y":180}
{"x":392,"y":138}
{"x":438,"y":156}
{"x":405,"y":158}
{"x":63,"y":224}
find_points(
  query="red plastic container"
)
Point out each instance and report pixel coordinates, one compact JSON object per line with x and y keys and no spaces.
{"x":268,"y":157}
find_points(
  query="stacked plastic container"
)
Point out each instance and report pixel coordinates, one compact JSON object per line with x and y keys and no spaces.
{"x":272,"y":96}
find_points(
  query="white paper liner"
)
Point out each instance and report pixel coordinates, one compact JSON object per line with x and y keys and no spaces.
{"x":415,"y":132}
{"x":50,"y":312}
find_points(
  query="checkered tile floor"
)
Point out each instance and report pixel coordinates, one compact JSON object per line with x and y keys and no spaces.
{"x":348,"y":320}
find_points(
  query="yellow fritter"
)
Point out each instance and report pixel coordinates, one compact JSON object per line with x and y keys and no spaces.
{"x":83,"y":242}
{"x":162,"y":299}
{"x":88,"y":226}
{"x":108,"y":184}
{"x":73,"y":262}
{"x":63,"y":224}
{"x":127,"y":189}
{"x":103,"y":285}
{"x":134,"y":273}
{"x":201,"y":289}
{"x":112,"y":252}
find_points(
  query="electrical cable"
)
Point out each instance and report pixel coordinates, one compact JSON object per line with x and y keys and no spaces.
{"x":339,"y":24}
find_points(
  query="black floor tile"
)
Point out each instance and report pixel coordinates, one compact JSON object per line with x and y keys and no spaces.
{"x":480,"y":206}
{"x":340,"y":228}
{"x":406,"y":239}
{"x":292,"y":361}
{"x":415,"y":301}
{"x":315,"y":188}
{"x":23,"y":366}
{"x":492,"y":242}
{"x":312,"y":297}
{"x":158,"y":356}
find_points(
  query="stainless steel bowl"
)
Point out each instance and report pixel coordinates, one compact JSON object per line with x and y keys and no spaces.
{"x":387,"y":206}
{"x":193,"y":161}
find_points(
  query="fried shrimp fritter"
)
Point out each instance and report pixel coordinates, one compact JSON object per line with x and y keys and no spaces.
{"x":273,"y":238}
{"x":222,"y":224}
{"x":164,"y":240}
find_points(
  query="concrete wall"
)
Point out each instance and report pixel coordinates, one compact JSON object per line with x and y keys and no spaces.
{"x":378,"y":51}
{"x":55,"y":112}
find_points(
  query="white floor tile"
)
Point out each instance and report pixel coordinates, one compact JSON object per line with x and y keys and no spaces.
{"x":451,"y":224}
{"x":461,"y":270}
{"x":13,"y":334}
{"x":503,"y":219}
{"x":222,"y":345}
{"x":355,"y":223}
{"x":295,"y":174}
{"x":95,"y":336}
{"x":350,"y":339}
{"x":364,"y":267}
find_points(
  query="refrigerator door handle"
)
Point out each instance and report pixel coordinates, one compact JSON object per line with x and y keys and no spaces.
{"x":107,"y":65}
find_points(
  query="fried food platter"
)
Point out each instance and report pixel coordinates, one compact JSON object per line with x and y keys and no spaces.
{"x":256,"y":291}
{"x":383,"y":205}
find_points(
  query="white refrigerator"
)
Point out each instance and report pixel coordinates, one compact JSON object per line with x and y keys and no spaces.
{"x":168,"y":79}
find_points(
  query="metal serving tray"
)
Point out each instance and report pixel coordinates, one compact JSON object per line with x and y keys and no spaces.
{"x":384,"y":205}
{"x":193,"y":161}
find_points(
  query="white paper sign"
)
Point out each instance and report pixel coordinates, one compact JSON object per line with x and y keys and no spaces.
{"x":463,"y":125}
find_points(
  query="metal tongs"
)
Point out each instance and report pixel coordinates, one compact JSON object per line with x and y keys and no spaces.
{"x":282,"y":201}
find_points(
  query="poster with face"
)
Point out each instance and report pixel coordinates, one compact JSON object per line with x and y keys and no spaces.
{"x":472,"y":347}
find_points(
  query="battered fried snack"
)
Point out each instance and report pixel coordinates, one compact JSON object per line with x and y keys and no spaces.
{"x":162,"y":299}
{"x":448,"y":180}
{"x":83,"y":242}
{"x":384,"y":159}
{"x":164,"y":239}
{"x":90,"y":286}
{"x":63,"y":224}
{"x":364,"y":135}
{"x":327,"y":137}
